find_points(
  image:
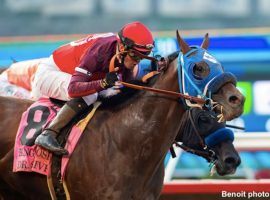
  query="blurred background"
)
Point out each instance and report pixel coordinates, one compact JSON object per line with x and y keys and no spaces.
{"x":32,"y":17}
{"x":239,"y":37}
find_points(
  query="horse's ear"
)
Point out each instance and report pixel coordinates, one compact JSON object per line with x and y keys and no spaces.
{"x":182,"y":44}
{"x":205,"y":43}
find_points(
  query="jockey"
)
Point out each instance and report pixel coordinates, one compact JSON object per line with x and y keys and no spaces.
{"x":77,"y":72}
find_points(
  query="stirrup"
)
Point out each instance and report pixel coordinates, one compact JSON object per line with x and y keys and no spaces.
{"x":49,"y":142}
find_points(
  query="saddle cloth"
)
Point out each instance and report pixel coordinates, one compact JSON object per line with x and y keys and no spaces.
{"x":29,"y":157}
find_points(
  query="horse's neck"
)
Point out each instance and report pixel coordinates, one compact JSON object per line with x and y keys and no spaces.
{"x":164,"y":112}
{"x":150,"y":121}
{"x":131,"y":139}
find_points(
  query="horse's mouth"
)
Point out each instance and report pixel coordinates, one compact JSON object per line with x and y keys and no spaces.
{"x":226,"y":172}
{"x":227,"y":114}
{"x":223,"y":170}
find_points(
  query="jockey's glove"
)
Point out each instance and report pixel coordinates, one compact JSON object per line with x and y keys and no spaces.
{"x":109,"y":80}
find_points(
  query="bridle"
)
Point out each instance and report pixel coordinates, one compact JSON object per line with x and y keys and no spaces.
{"x":205,"y":103}
{"x":206,"y":152}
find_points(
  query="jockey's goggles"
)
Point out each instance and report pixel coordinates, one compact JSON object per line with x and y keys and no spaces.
{"x":134,"y":56}
{"x":130,"y":44}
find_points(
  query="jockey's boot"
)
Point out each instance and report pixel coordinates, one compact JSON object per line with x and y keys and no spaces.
{"x":47,"y":139}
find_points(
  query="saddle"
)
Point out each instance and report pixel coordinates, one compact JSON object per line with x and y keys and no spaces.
{"x":29,"y":157}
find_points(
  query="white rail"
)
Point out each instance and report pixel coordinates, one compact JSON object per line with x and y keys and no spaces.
{"x":246,"y":141}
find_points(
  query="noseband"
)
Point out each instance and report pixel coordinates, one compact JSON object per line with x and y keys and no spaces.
{"x":211,"y":140}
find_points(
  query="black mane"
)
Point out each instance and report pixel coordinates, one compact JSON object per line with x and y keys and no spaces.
{"x":125,"y":94}
{"x":129,"y":93}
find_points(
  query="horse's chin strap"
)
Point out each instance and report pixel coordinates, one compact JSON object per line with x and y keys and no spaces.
{"x":221,"y":134}
{"x":206,"y":153}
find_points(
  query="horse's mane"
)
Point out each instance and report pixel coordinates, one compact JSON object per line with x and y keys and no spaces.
{"x":126,"y":94}
{"x":173,"y":56}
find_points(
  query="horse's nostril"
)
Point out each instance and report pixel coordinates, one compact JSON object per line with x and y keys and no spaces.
{"x":234,"y":99}
{"x":230,"y":161}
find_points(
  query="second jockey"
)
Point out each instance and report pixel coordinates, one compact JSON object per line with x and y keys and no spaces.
{"x":77,"y":72}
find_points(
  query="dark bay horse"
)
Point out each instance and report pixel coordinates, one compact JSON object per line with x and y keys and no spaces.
{"x":121,"y":153}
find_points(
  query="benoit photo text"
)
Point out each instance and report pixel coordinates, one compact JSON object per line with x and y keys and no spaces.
{"x":244,"y":194}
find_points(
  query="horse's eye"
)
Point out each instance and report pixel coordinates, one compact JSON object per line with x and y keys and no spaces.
{"x":201,"y":70}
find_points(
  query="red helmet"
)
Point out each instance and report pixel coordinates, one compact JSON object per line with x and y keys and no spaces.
{"x":137,"y":36}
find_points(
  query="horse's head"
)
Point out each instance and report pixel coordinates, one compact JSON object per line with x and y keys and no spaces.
{"x":202,"y":75}
{"x":202,"y":134}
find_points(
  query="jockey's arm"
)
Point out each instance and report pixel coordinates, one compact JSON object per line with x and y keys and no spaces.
{"x":89,"y":76}
{"x":82,"y":85}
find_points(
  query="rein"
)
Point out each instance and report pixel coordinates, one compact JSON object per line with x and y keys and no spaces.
{"x":167,"y":92}
{"x":160,"y":91}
